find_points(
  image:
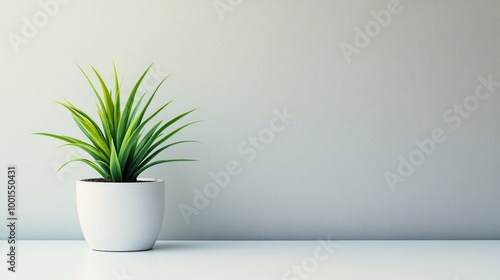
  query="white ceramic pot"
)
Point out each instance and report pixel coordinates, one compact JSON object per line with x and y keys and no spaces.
{"x":121,"y":216}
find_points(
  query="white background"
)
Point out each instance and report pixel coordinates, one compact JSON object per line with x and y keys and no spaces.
{"x":323,"y":174}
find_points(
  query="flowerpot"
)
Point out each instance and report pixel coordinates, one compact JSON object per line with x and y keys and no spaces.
{"x":121,"y":216}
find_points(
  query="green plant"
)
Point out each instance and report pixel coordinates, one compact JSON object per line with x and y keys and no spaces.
{"x":122,"y":147}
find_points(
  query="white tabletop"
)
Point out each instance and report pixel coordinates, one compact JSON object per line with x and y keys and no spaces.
{"x":293,"y":260}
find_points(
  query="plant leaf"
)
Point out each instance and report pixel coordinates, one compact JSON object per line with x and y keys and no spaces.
{"x":119,"y":150}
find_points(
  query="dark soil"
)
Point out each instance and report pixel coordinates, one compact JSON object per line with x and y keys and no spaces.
{"x":102,"y":180}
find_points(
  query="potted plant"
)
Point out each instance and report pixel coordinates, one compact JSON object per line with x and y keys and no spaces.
{"x":119,"y":211}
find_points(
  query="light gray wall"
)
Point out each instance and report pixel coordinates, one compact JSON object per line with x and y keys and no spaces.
{"x":358,"y":104}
